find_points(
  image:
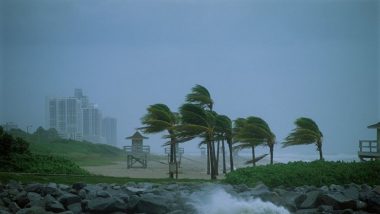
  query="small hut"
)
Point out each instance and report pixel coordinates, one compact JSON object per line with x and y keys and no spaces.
{"x":370,"y":149}
{"x":137,"y":153}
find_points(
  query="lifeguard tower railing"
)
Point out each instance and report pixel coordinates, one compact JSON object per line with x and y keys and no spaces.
{"x":137,"y":149}
{"x":137,"y":155}
{"x":368,"y":149}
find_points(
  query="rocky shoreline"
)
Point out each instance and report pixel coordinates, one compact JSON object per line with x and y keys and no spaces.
{"x":185,"y":198}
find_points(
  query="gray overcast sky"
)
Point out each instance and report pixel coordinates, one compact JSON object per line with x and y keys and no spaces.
{"x":275,"y":59}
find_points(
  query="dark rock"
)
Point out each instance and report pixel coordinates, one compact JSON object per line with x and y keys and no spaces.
{"x":152,"y":205}
{"x":78,"y":186}
{"x":53,"y":205}
{"x":106,"y":205}
{"x":338,"y":201}
{"x":102,"y":194}
{"x":35,"y":199}
{"x":13,"y":207}
{"x":4,"y":211}
{"x":32,"y":210}
{"x":293,"y":200}
{"x":68,"y":198}
{"x":306,"y":211}
{"x":82,"y":194}
{"x":52,"y":189}
{"x":64,"y":187}
{"x":336,"y":188}
{"x":311,"y":200}
{"x":376,"y":190}
{"x":347,"y":211}
{"x":66,"y":212}
{"x":37,"y":188}
{"x":75,"y":208}
{"x":6,"y":201}
{"x":132,"y":202}
{"x":325,"y":209}
{"x":22,"y":199}
{"x":12,"y":193}
{"x":351,"y":192}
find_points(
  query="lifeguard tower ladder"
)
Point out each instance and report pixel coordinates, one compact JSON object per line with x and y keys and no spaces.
{"x":370,"y":149}
{"x":137,"y":153}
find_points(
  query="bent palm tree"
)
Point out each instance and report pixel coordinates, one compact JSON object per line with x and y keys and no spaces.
{"x":197,"y":122}
{"x":224,"y":128}
{"x":201,"y":96}
{"x":306,"y":132}
{"x":246,"y":135}
{"x":160,"y":118}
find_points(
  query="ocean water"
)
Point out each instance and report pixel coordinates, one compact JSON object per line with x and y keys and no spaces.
{"x":215,"y":200}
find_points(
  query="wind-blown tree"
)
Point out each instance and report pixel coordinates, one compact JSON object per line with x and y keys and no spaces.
{"x":160,"y":118}
{"x":198,"y":122}
{"x":224,"y":132}
{"x":306,"y":132}
{"x":264,"y":133}
{"x":247,"y":135}
{"x":199,"y":95}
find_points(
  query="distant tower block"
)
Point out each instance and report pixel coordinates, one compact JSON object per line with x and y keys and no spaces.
{"x":137,"y":154}
{"x":203,"y":152}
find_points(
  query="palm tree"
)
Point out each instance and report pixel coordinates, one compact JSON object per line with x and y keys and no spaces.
{"x":247,"y":135}
{"x":264,"y":132}
{"x":224,"y":130}
{"x":160,"y":118}
{"x":306,"y":132}
{"x":197,"y":122}
{"x":199,"y":95}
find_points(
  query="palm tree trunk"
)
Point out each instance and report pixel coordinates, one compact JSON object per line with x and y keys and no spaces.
{"x":320,"y":151}
{"x":224,"y":158}
{"x":253,"y":156}
{"x":212,"y":161}
{"x":271,"y":148}
{"x":217,"y":158}
{"x":175,"y":160}
{"x":171,"y":160}
{"x":229,"y":142}
{"x":208,"y":158}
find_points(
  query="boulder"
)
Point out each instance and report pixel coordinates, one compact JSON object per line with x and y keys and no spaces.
{"x":152,"y":205}
{"x":13,"y":207}
{"x":22,"y":199}
{"x":106,"y":205}
{"x":78,"y":186}
{"x":68,"y":198}
{"x":311,"y":200}
{"x":35,"y":199}
{"x":32,"y":210}
{"x":75,"y":208}
{"x":37,"y":188}
{"x":52,"y":189}
{"x":338,"y":201}
{"x":51,"y":204}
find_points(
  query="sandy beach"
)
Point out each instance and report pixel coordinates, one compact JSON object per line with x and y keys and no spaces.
{"x":192,"y":167}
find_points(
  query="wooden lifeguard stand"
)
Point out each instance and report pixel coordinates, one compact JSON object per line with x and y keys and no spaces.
{"x":370,"y":149}
{"x":137,"y":153}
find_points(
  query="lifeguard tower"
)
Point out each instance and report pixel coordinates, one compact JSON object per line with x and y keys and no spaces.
{"x":370,"y":149}
{"x":137,"y":153}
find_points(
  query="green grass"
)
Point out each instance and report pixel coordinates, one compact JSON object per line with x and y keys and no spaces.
{"x":81,"y":152}
{"x":31,"y":163}
{"x":317,"y":173}
{"x":89,"y":179}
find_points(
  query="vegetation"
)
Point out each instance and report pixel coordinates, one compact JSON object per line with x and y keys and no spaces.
{"x":316,"y":173}
{"x":15,"y":156}
{"x":47,"y":142}
{"x":306,"y":132}
{"x":88,"y":179}
{"x":158,"y":119}
{"x":253,"y":131}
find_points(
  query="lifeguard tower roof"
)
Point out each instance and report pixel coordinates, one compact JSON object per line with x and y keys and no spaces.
{"x":374,"y":126}
{"x":136,"y":136}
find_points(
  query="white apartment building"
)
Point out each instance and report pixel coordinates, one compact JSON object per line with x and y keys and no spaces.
{"x":75,"y":117}
{"x":109,"y":132}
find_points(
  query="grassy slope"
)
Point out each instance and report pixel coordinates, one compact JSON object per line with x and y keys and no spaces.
{"x":82,"y":153}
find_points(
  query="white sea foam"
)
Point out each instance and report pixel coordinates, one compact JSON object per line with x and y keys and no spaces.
{"x":218,"y":201}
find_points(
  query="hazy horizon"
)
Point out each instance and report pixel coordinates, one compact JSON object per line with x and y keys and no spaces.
{"x":278,"y":60}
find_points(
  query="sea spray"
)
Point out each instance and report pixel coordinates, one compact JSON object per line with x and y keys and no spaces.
{"x":216,"y":200}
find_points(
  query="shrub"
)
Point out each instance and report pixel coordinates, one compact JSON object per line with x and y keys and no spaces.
{"x":317,"y":173}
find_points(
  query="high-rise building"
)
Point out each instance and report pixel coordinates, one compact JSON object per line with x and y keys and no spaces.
{"x":65,"y":115}
{"x":92,"y":123}
{"x":75,"y":117}
{"x":109,"y":133}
